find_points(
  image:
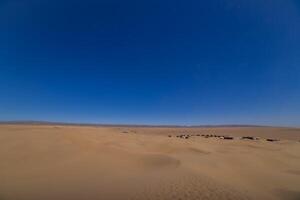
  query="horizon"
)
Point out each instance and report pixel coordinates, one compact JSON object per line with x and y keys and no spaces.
{"x":35,"y":122}
{"x":160,"y":62}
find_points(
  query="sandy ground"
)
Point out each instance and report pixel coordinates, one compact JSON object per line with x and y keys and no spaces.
{"x":76,"y":162}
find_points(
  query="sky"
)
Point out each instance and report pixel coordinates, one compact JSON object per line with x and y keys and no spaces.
{"x":164,"y":62}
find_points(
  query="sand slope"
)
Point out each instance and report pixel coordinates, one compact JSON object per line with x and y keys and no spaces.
{"x":69,"y":162}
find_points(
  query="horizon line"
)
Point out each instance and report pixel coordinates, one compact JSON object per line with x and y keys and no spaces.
{"x":38,"y":122}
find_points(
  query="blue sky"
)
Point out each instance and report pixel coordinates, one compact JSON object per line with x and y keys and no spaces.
{"x":151,"y":62}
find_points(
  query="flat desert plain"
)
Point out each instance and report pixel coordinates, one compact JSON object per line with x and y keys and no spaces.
{"x":47,"y":162}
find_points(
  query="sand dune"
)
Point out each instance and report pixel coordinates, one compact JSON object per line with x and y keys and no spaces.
{"x":80,"y":162}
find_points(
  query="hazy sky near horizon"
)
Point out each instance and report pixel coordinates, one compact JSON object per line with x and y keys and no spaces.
{"x":151,"y":62}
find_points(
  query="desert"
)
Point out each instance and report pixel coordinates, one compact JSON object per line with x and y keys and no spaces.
{"x":135,"y":162}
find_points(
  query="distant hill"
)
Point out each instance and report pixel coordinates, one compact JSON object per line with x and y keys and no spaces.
{"x":32,"y":122}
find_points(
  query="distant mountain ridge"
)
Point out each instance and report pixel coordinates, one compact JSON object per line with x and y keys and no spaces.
{"x":32,"y":122}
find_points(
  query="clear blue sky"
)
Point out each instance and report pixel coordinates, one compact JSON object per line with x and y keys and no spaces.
{"x":151,"y":62}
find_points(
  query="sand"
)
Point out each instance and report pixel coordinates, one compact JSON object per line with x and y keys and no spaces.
{"x":80,"y":162}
